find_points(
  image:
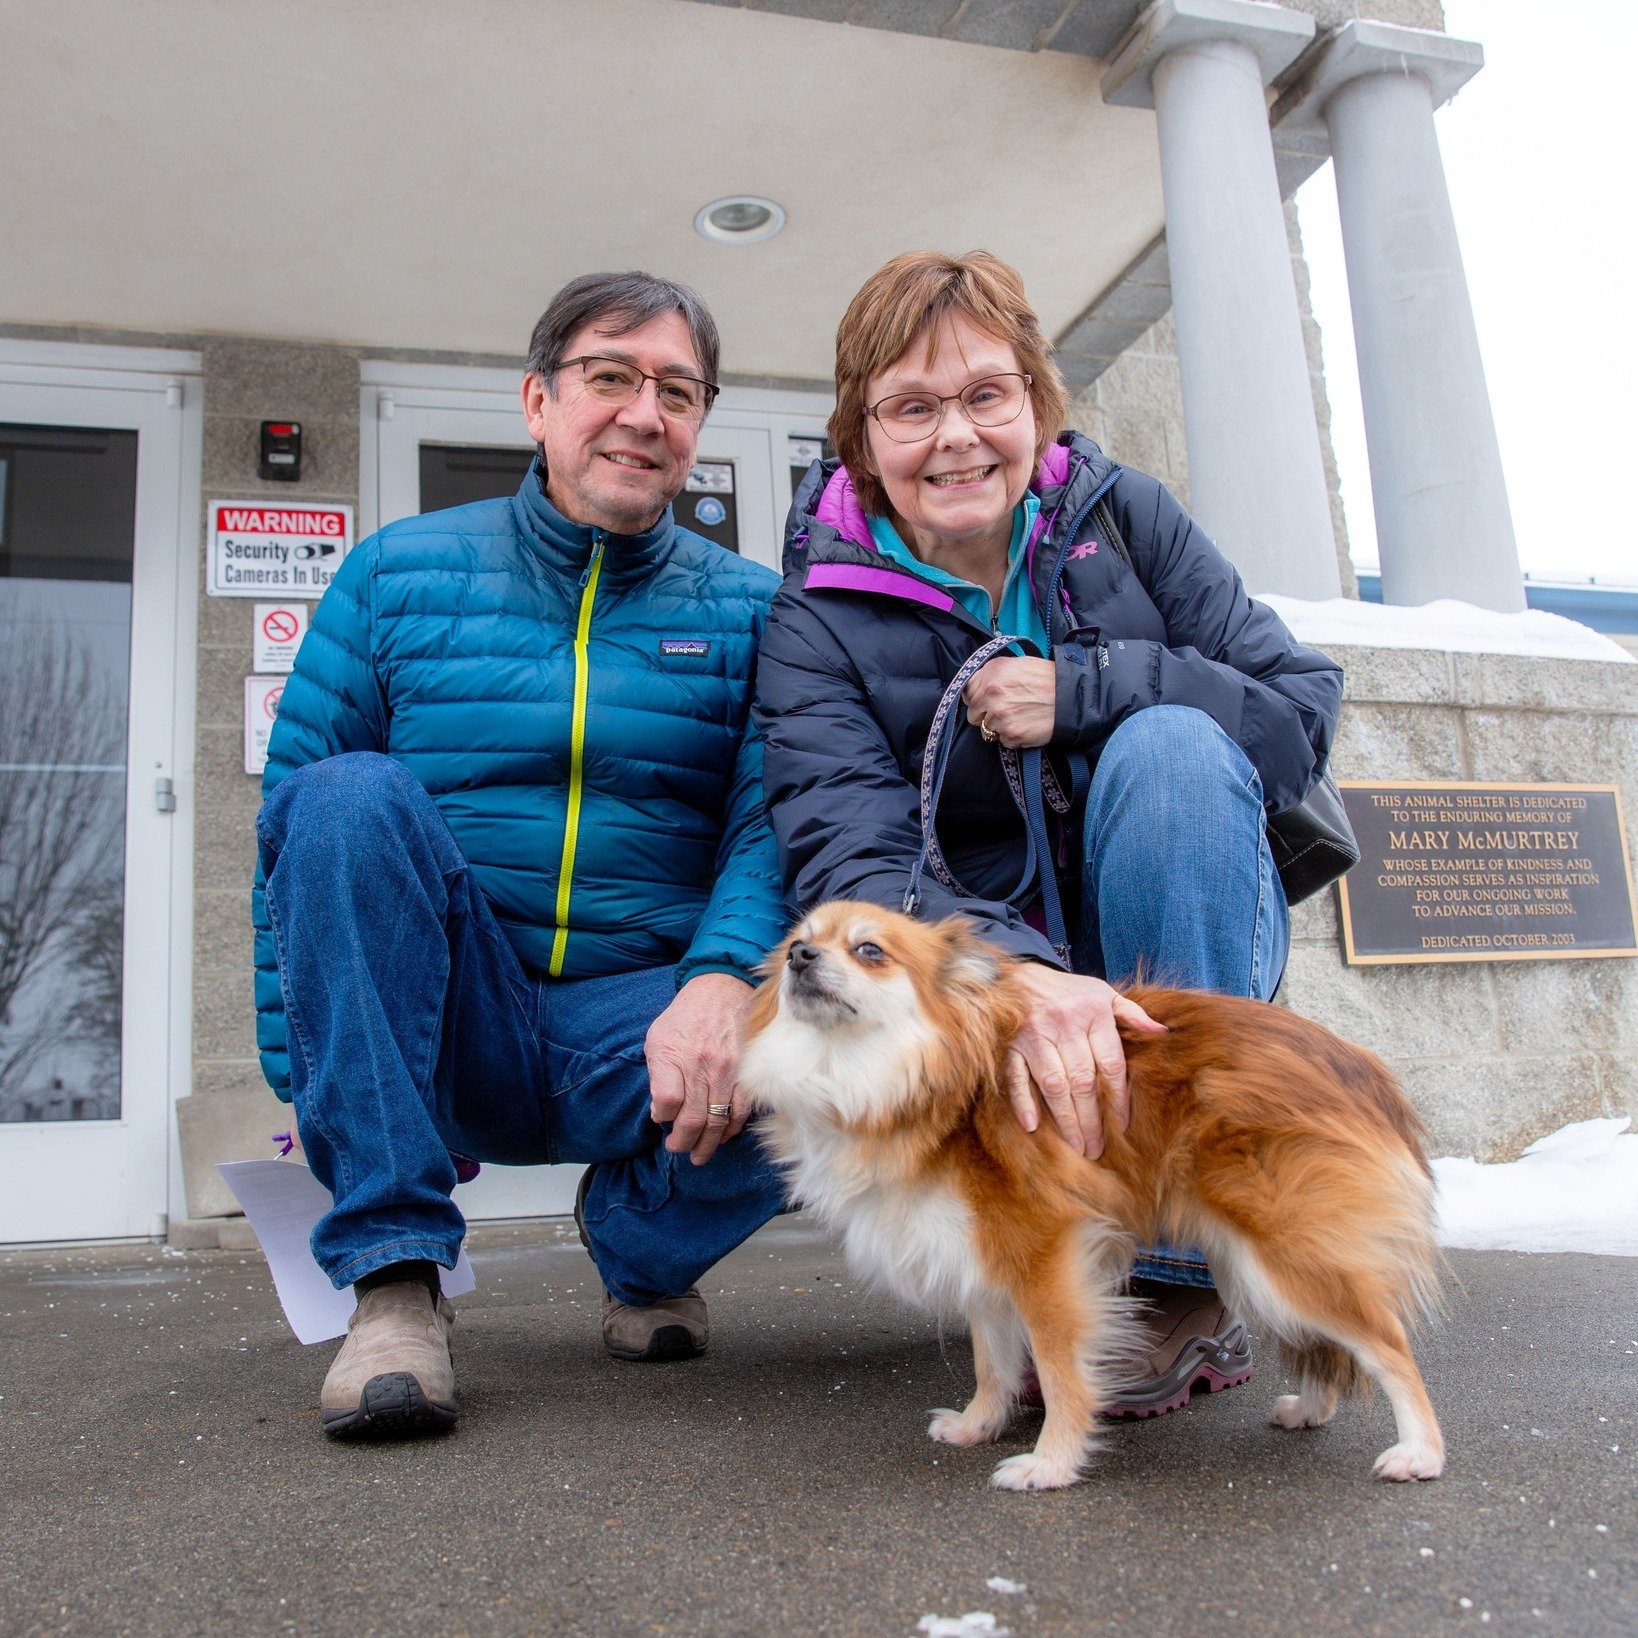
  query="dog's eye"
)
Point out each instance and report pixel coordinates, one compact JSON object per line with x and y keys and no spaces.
{"x":869,"y":952}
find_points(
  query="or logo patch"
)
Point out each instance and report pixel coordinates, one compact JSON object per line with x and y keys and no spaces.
{"x":709,"y":511}
{"x":692,"y":648}
{"x":1087,"y":548}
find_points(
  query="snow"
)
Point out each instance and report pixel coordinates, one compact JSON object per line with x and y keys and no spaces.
{"x":974,"y":1624}
{"x":1000,"y":1584}
{"x":1444,"y":625}
{"x":1576,"y":1190}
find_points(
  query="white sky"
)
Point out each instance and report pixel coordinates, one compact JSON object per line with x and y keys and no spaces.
{"x":1540,"y":153}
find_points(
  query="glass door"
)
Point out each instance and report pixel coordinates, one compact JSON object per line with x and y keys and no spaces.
{"x":89,"y":543}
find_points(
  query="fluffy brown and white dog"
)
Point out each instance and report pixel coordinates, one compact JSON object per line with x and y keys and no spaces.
{"x":876,"y":1048}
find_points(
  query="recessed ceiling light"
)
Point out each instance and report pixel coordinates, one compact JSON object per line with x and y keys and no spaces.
{"x":742,"y":219}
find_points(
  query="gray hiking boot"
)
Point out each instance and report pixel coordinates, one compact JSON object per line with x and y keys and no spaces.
{"x":393,"y":1377}
{"x":1194,"y":1346}
{"x":673,"y":1328}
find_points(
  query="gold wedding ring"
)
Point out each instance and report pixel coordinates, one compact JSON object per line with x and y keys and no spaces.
{"x":985,"y":729}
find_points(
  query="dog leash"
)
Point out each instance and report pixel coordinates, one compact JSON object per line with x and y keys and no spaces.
{"x":1034,"y":786}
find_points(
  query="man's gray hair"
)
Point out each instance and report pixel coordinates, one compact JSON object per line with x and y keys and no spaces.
{"x":630,"y":300}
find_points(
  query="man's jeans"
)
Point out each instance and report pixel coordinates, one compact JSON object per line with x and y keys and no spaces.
{"x":415,"y":1033}
{"x":1178,"y":880}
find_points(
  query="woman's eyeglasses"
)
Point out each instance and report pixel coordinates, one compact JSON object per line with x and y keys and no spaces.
{"x":908,"y":417}
{"x":682,"y":397}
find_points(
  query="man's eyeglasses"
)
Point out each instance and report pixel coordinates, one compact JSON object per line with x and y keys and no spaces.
{"x":908,"y":417}
{"x":682,"y":397}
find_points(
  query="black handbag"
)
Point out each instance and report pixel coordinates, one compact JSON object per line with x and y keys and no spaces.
{"x":1313,"y":843}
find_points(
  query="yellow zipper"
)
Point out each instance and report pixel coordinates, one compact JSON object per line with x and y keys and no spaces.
{"x":577,"y":753}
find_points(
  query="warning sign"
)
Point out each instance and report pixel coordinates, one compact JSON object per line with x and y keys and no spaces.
{"x":261,"y":707}
{"x":293,"y":551}
{"x":280,"y":628}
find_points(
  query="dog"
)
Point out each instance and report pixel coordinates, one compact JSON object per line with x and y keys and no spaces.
{"x":875,"y":1053}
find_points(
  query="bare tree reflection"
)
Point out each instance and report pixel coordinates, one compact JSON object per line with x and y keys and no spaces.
{"x":62,"y":810}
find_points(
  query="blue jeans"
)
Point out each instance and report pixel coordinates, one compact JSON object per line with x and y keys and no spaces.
{"x":415,"y":1032}
{"x":1177,"y":880}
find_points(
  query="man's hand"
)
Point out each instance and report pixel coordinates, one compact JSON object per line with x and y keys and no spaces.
{"x":1067,"y":1042}
{"x":693,"y":1051}
{"x":1015,"y":699}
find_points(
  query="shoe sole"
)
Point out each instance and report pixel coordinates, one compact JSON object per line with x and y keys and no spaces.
{"x":1206,"y":1380}
{"x":392,"y":1406}
{"x":670,"y":1342}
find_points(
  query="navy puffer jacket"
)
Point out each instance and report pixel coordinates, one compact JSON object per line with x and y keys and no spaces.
{"x":858,"y":652}
{"x":447,"y":641}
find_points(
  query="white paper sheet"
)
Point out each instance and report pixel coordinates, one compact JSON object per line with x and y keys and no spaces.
{"x":282,"y":1201}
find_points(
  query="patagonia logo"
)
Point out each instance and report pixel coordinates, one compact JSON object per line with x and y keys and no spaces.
{"x":692,"y":648}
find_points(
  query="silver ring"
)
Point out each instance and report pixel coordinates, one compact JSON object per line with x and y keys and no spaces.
{"x":719,"y":1109}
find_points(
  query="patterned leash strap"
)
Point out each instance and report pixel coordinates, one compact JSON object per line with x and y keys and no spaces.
{"x":1030,"y":779}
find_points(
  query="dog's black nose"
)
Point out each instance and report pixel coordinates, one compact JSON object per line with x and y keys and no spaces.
{"x":803,"y":956}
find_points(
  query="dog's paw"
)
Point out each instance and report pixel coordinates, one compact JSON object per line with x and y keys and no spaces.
{"x":961,"y":1428}
{"x":1410,"y":1460}
{"x":1291,"y":1410}
{"x":1032,"y":1472}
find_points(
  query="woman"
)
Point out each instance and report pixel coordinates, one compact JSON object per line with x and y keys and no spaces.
{"x":958,"y":509}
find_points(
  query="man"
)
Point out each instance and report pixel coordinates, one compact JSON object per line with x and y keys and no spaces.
{"x":514,"y":874}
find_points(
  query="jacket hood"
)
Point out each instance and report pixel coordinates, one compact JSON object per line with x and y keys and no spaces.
{"x":566,"y":546}
{"x":828,"y":525}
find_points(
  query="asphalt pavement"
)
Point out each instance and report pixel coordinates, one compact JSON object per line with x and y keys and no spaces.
{"x":162,"y":1470}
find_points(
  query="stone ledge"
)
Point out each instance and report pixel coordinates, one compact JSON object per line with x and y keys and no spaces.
{"x":1522,"y":682}
{"x":194,"y":1233}
{"x":223,"y":1125}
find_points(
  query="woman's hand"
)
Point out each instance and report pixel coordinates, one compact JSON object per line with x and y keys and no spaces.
{"x":1014,"y":700}
{"x":1067,"y":1041}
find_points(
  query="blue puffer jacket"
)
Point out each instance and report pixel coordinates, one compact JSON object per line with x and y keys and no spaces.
{"x":617,"y":828}
{"x":859,"y":651}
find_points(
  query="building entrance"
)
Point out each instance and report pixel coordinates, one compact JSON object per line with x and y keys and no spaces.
{"x":90,"y":514}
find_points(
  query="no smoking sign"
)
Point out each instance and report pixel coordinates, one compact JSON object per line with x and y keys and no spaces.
{"x":262,"y":695}
{"x":279,"y":630}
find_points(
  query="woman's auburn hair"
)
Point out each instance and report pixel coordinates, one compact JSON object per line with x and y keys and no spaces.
{"x":904,"y":301}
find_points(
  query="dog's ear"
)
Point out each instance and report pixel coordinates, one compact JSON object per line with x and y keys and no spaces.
{"x":977,"y":964}
{"x":970,"y":962}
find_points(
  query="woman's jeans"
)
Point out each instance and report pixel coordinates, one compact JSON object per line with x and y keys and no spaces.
{"x":415,"y":1032}
{"x":1178,"y":882}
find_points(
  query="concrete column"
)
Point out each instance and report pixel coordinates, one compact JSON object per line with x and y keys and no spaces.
{"x":1256,"y":476}
{"x":1442,"y":520}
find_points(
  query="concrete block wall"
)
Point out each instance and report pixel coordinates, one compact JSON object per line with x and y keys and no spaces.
{"x":231,"y":1112}
{"x":1494,"y":1054}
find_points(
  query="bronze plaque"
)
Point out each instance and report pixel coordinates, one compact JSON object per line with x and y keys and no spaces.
{"x":1486,"y":872}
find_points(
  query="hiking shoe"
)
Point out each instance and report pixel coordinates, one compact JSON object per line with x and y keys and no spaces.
{"x":1194,"y":1346}
{"x":393,"y":1377}
{"x":672,"y":1328}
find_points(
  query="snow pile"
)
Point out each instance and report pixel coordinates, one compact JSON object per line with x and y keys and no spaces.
{"x":975,"y":1624}
{"x":1446,"y":625}
{"x":1001,"y":1584}
{"x":1576,"y":1190}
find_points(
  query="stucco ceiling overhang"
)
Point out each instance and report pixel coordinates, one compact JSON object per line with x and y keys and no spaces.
{"x":418,"y":174}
